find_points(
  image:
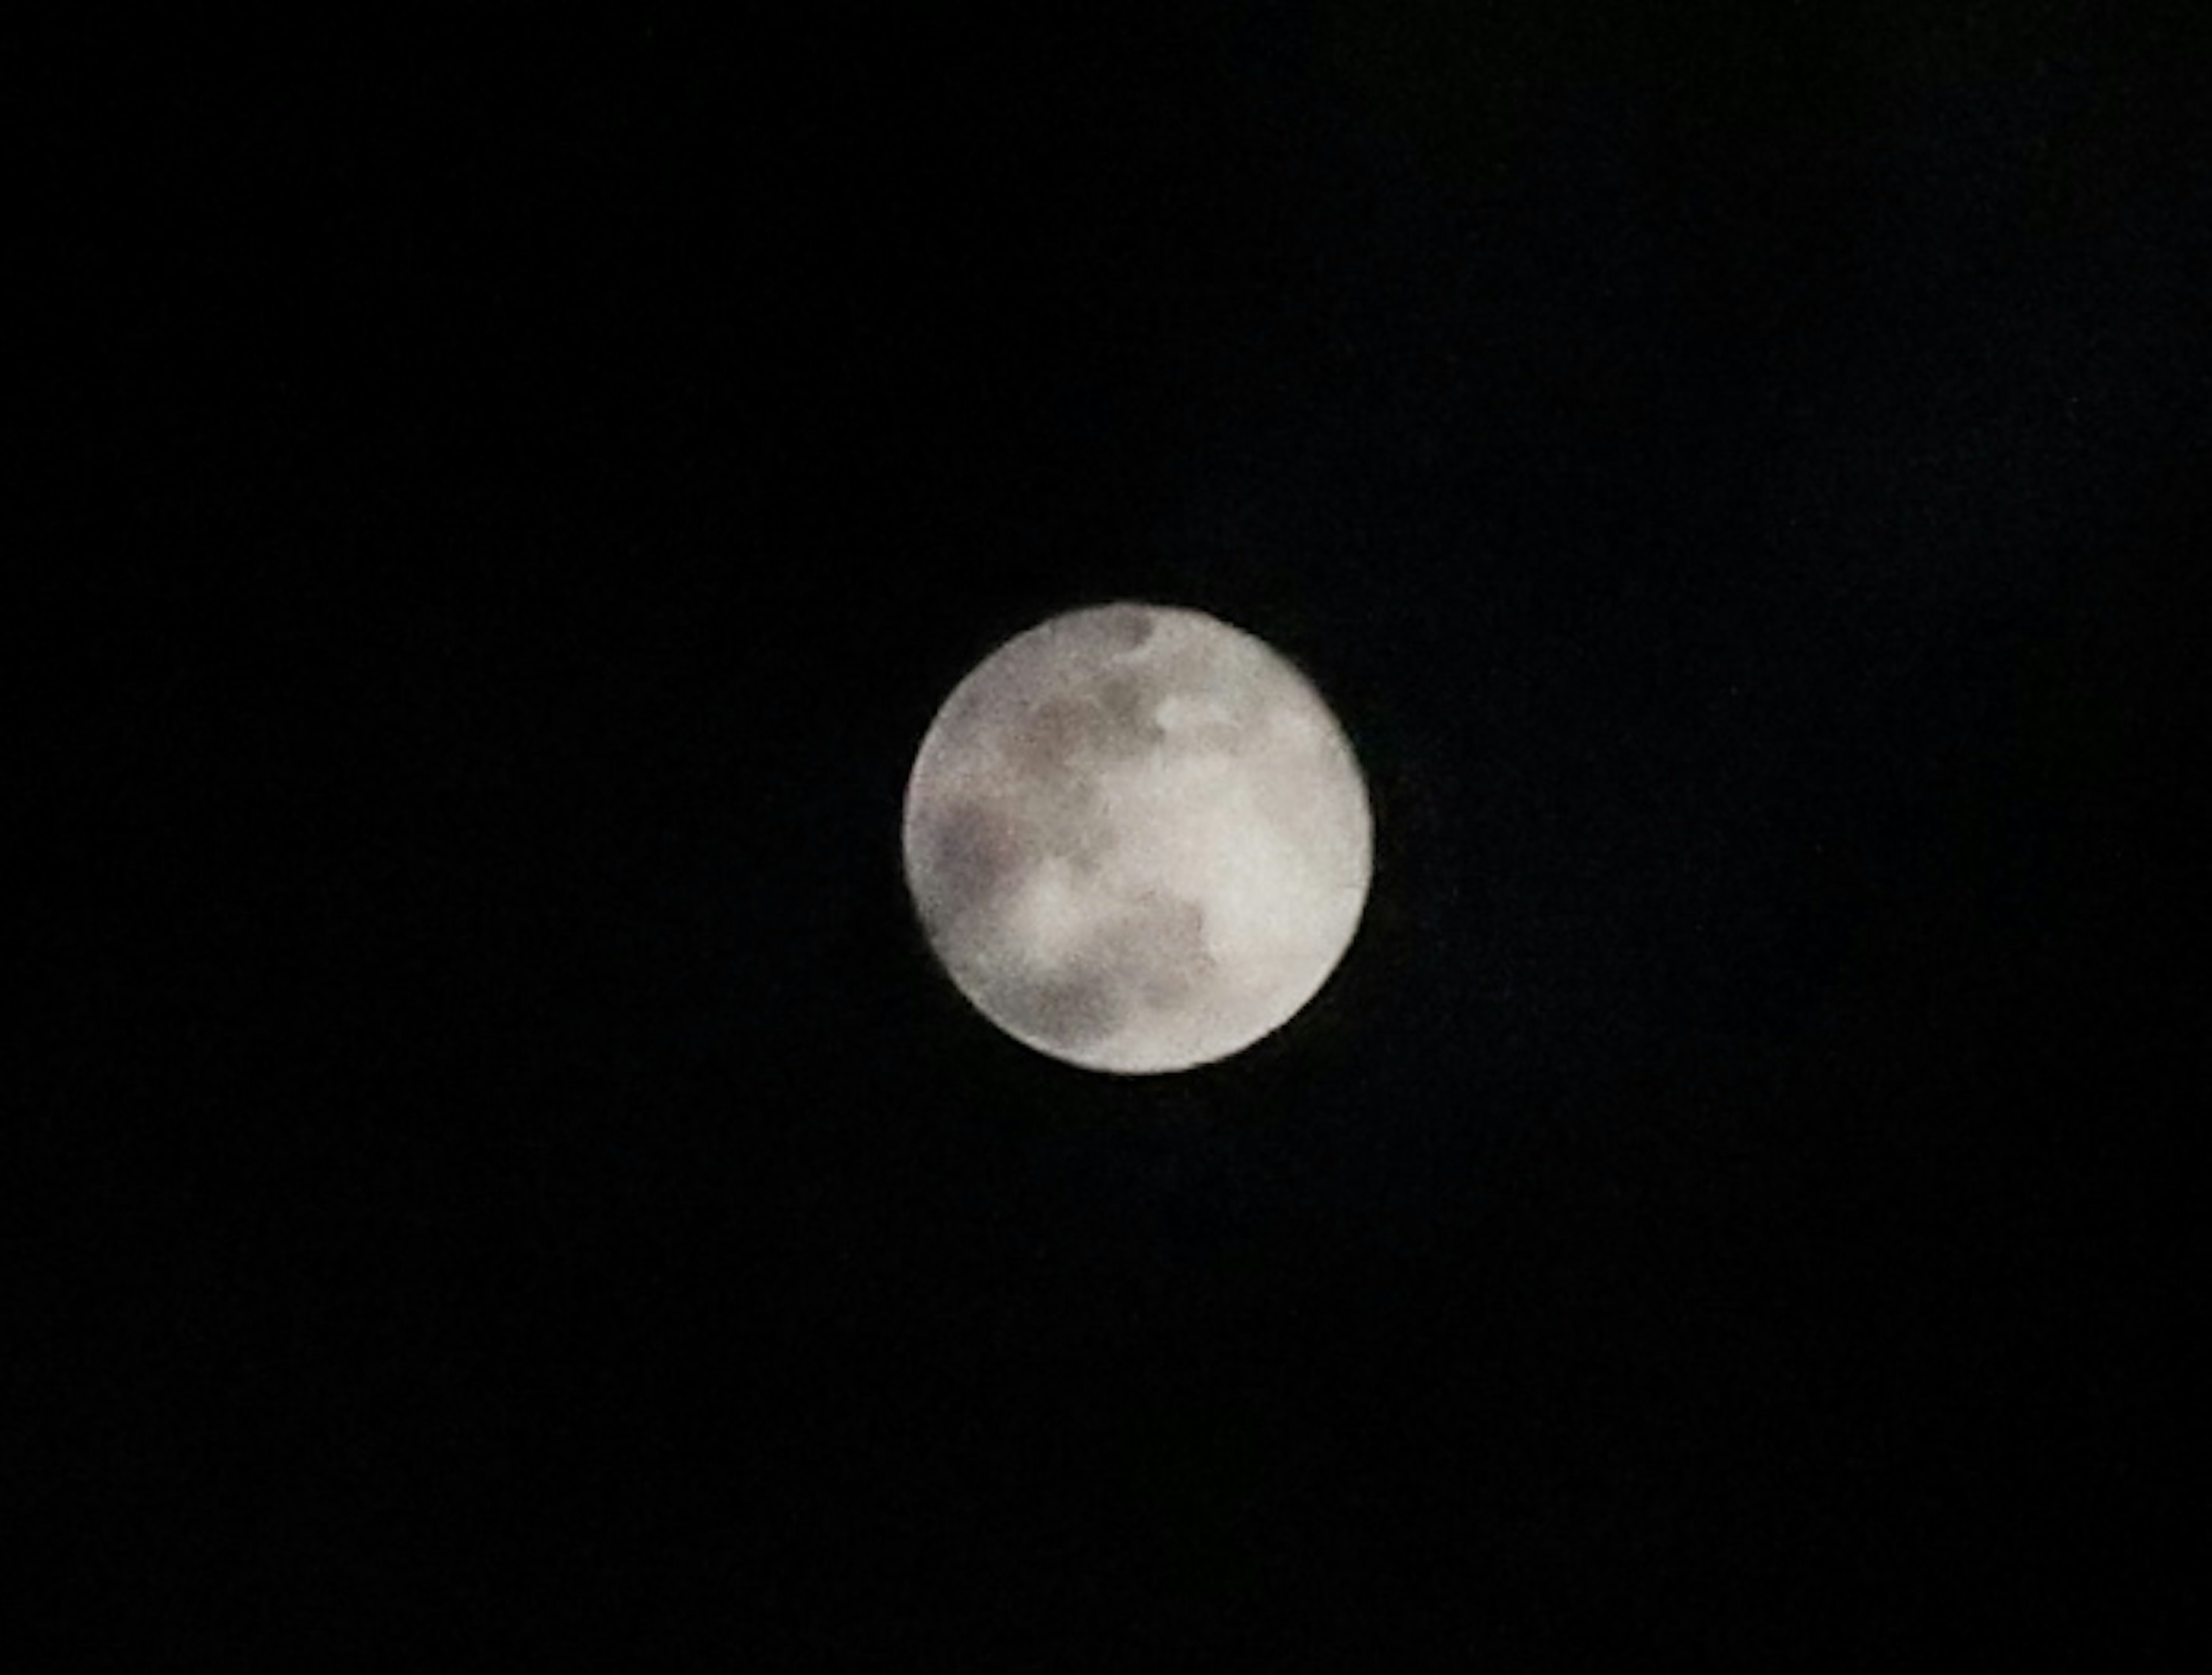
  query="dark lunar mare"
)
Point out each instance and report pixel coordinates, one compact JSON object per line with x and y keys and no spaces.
{"x":972,"y":856}
{"x":1073,"y":1008}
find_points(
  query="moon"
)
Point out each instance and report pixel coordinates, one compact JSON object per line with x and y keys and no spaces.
{"x":1137,"y":839}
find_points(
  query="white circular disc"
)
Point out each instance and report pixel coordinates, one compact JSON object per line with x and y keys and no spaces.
{"x":1137,"y":838}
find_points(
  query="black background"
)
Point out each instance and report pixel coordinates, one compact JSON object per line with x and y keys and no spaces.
{"x":515,"y":1187}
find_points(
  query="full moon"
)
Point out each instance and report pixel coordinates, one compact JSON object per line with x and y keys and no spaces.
{"x":1137,"y":839}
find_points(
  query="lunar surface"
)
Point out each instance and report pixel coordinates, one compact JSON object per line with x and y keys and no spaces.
{"x":1137,"y":839}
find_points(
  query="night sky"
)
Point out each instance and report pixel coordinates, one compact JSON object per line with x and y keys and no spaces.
{"x":515,"y":1190}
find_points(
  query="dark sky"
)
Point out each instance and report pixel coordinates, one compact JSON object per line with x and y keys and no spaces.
{"x":519,"y":1190}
